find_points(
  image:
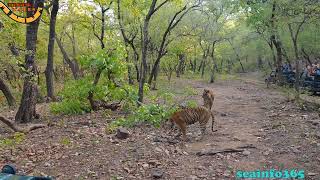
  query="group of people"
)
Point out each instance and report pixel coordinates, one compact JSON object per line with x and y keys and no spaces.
{"x":311,"y":71}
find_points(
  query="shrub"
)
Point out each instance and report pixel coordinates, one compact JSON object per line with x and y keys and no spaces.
{"x":74,"y":97}
{"x":17,"y":138}
{"x":153,"y":114}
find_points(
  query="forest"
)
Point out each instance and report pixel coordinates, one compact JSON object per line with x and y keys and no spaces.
{"x":88,"y":88}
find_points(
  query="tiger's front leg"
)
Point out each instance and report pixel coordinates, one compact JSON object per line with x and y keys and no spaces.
{"x":183,"y":131}
{"x":203,"y":131}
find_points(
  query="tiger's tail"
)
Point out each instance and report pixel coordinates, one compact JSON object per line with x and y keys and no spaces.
{"x":212,"y":122}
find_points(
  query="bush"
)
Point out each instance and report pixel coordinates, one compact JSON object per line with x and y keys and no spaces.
{"x":74,"y":97}
{"x":153,"y":114}
{"x":113,"y":67}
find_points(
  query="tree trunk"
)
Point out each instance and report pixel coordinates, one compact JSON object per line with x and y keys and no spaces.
{"x":143,"y":69}
{"x":294,"y":38}
{"x":155,"y":79}
{"x":237,"y":55}
{"x":103,"y":25}
{"x":73,"y":65}
{"x":7,"y":93}
{"x":182,"y":58}
{"x":49,"y":69}
{"x":27,"y":109}
{"x":130,"y":78}
{"x":137,"y":72}
{"x":203,"y":67}
{"x":277,"y":43}
{"x":126,"y":42}
{"x":204,"y":61}
{"x":272,"y":51}
{"x":213,"y":62}
{"x":94,"y":106}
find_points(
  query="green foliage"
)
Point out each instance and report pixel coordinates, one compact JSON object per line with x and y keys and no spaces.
{"x":192,"y":103}
{"x":153,"y":114}
{"x":65,"y":141}
{"x":111,"y":63}
{"x":225,"y":76}
{"x":17,"y":138}
{"x":110,"y":60}
{"x":74,"y":97}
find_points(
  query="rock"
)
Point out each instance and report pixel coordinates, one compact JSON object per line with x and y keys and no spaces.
{"x":173,"y":141}
{"x":158,"y":149}
{"x":314,"y":122}
{"x":236,"y":139}
{"x":227,"y":173}
{"x":46,"y":164}
{"x":154,"y":163}
{"x":246,"y":152}
{"x":145,"y":165}
{"x":158,"y":139}
{"x":192,"y":177}
{"x":157,"y":173}
{"x":114,"y":141}
{"x":223,"y":114}
{"x":122,"y":133}
{"x":312,"y":174}
{"x":266,"y":153}
{"x":178,"y":150}
{"x":200,"y":168}
{"x":167,"y":152}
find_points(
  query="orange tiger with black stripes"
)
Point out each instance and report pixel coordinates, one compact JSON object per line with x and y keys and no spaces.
{"x":201,"y":114}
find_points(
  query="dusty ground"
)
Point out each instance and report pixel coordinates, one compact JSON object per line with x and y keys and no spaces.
{"x":280,"y":134}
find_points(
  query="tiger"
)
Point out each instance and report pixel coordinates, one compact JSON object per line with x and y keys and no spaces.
{"x":20,"y":19}
{"x":208,"y":98}
{"x":188,"y":116}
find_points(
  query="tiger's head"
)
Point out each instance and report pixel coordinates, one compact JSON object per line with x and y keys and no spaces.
{"x":205,"y":93}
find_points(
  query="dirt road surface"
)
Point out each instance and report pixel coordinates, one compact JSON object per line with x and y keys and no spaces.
{"x":274,"y":134}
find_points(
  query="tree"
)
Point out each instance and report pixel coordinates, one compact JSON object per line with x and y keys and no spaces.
{"x":52,"y":34}
{"x":27,"y":108}
{"x":164,"y":43}
{"x":7,"y":93}
{"x":145,"y":36}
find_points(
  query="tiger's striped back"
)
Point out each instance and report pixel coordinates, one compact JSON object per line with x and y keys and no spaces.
{"x":190,"y":116}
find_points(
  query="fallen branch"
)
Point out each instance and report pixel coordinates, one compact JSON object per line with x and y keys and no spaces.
{"x":247,"y":146}
{"x":213,"y":152}
{"x":16,"y":128}
{"x":96,"y":105}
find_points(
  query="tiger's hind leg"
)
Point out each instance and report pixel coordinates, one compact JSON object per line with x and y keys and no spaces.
{"x":203,"y":130}
{"x":184,"y":132}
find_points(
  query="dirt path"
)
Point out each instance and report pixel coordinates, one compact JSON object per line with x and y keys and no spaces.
{"x":282,"y":136}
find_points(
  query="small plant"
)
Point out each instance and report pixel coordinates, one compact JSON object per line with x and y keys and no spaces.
{"x":192,"y":103}
{"x":17,"y":138}
{"x":189,"y":91}
{"x":65,"y":141}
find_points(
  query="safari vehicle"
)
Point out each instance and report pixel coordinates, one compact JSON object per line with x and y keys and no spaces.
{"x":8,"y":172}
{"x":271,"y":79}
{"x":315,"y":87}
{"x":288,"y":76}
{"x":311,"y":84}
